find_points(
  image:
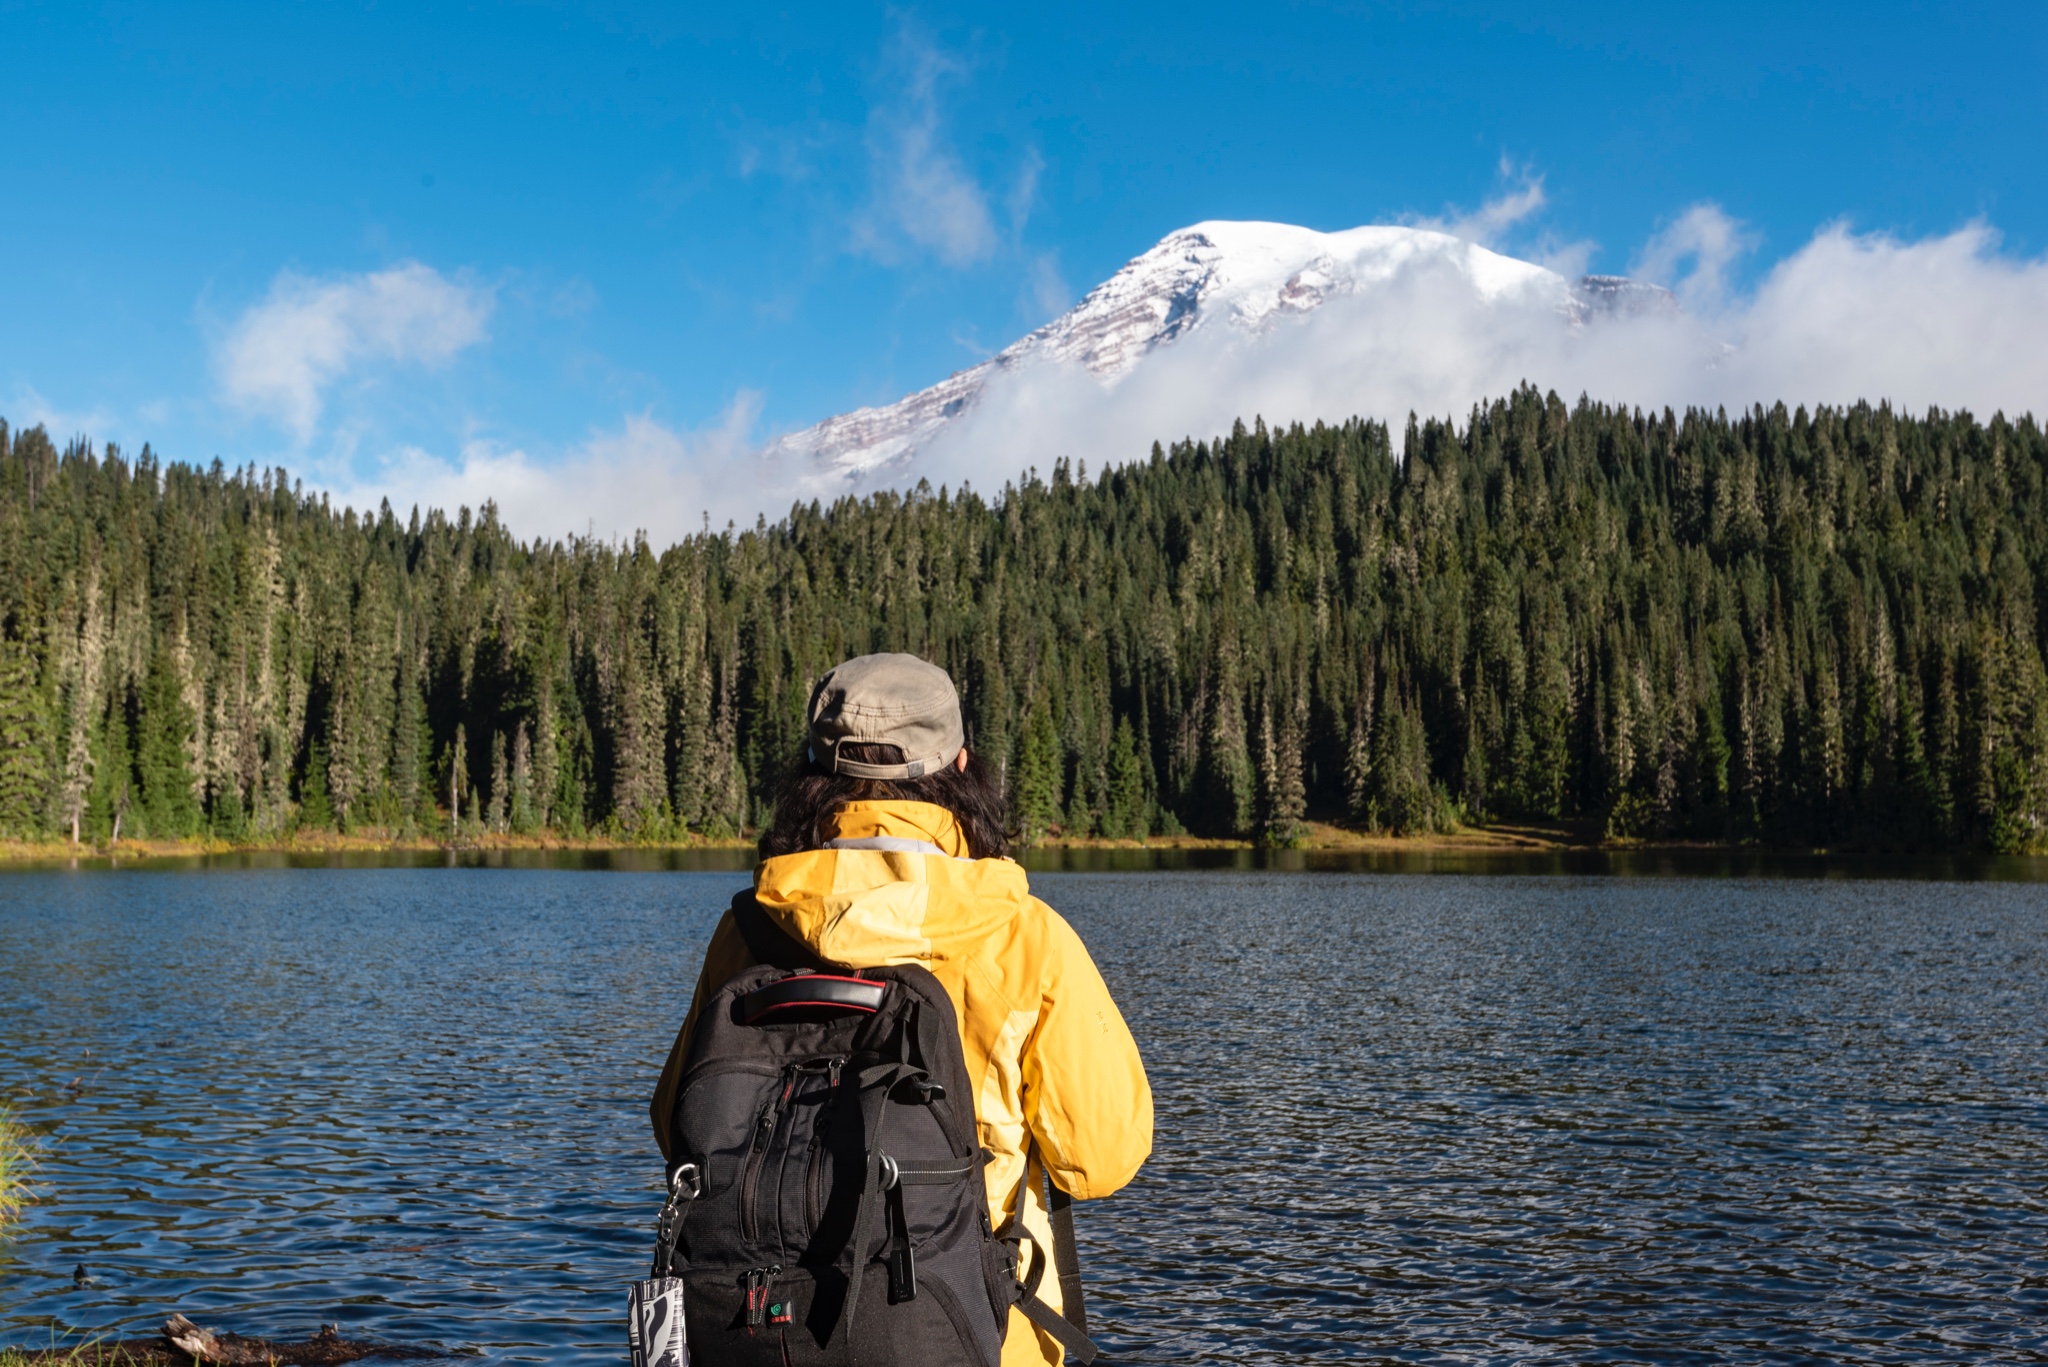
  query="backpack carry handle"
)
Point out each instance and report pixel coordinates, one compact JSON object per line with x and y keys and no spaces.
{"x":818,"y":991}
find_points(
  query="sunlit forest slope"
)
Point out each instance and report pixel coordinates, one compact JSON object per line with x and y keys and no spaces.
{"x":1793,"y":628}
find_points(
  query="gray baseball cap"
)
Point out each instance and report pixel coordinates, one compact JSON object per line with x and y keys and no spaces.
{"x":896,"y":700}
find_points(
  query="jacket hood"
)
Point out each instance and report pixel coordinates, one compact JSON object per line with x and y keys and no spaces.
{"x":892,"y":886}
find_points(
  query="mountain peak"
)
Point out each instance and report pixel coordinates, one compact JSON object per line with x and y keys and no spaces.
{"x":1246,"y":275}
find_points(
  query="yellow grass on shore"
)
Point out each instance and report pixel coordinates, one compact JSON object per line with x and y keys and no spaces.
{"x":17,"y":1156}
{"x":332,"y":842}
{"x":1486,"y":839}
{"x":1489,"y":839}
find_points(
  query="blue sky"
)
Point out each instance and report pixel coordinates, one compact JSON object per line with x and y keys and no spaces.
{"x":540,"y":227}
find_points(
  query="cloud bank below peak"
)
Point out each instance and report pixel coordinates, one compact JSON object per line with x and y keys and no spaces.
{"x":1947,"y":321}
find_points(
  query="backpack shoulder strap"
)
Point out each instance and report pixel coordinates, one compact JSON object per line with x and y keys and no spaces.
{"x":1066,"y":1256}
{"x":1069,"y":1324}
{"x":769,"y":943}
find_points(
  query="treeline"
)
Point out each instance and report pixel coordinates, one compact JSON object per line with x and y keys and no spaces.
{"x":1791,"y":628}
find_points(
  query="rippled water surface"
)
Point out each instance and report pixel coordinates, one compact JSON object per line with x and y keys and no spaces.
{"x":1414,"y":1119}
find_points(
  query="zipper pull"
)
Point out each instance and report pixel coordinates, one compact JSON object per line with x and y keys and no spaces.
{"x":757,"y":1300}
{"x":758,"y":1280}
{"x":832,"y":1067}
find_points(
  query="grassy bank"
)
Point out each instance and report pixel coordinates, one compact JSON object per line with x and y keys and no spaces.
{"x":331,"y":842}
{"x":87,"y":1355}
{"x":17,"y":1156}
{"x":1320,"y":836}
{"x":1320,"y":840}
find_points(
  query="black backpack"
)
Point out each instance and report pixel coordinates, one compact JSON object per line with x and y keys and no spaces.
{"x":826,"y":1196}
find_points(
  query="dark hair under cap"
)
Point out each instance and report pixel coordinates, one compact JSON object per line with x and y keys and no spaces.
{"x":893,"y":700}
{"x":910,"y":713}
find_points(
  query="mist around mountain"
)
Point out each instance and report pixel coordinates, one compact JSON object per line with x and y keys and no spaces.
{"x":1228,"y":319}
{"x":1242,"y":280}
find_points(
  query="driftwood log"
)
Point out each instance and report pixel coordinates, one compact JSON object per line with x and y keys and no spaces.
{"x":185,"y":1344}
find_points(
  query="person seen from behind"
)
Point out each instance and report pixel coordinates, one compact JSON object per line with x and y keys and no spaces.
{"x":888,"y":848}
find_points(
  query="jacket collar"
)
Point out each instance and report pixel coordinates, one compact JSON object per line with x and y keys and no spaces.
{"x":923,"y":822}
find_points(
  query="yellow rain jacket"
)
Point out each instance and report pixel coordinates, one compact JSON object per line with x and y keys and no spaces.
{"x":1050,"y":1056}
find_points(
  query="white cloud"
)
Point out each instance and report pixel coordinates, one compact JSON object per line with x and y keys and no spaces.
{"x":1047,"y":293}
{"x":922,"y":192}
{"x":1506,"y":223}
{"x":1490,"y":223}
{"x":640,"y":476}
{"x":1946,"y":321}
{"x":1023,"y":194}
{"x":31,"y":409}
{"x":1707,"y":238}
{"x":282,"y":355}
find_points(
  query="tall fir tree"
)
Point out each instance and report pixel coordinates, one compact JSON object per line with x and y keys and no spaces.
{"x":1036,"y":790}
{"x":167,"y":805}
{"x":24,"y":769}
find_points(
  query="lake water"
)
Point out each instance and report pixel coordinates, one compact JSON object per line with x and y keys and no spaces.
{"x":1401,"y":1118}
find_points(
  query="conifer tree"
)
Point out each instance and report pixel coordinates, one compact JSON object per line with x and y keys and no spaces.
{"x":523,"y":817}
{"x":1036,"y":790}
{"x":1124,"y":816}
{"x":24,"y":774}
{"x":501,"y":782}
{"x":316,"y":809}
{"x":166,"y":805}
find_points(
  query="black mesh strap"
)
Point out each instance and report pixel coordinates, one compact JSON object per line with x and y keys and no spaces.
{"x":932,"y":1172}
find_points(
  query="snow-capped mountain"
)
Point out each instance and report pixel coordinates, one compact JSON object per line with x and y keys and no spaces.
{"x":1252,"y":277}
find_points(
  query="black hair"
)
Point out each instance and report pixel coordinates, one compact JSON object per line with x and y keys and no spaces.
{"x":973,"y":795}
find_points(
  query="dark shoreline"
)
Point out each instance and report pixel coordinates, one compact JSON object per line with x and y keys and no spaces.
{"x":1393,"y":858}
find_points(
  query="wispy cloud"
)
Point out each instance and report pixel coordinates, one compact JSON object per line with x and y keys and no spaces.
{"x":1508,"y":223}
{"x":279,"y":359}
{"x":31,"y":409}
{"x":1047,"y":292}
{"x":1693,"y":254}
{"x":922,"y":193}
{"x":1023,"y":196}
{"x":1490,"y":223}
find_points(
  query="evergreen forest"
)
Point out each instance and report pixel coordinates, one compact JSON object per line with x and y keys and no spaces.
{"x":1796,"y":629}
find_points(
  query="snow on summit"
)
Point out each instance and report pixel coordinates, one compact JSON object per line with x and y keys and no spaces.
{"x":1251,"y":277}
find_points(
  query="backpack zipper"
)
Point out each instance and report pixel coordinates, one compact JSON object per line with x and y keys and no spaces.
{"x":764,"y":1135}
{"x":750,"y":1175}
{"x":814,"y":1197}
